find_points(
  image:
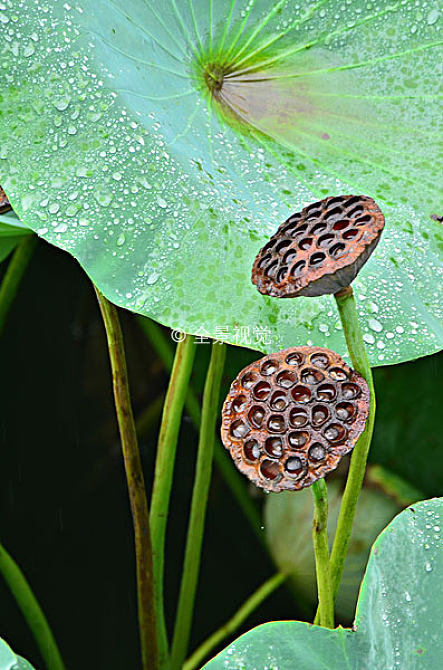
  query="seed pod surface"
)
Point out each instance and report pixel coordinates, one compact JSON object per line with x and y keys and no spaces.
{"x":290,"y":417}
{"x":319,"y":250}
{"x":4,"y":202}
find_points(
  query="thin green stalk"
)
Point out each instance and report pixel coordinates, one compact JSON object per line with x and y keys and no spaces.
{"x":164,"y":470}
{"x":31,"y":611}
{"x":200,"y":493}
{"x":233,"y":479}
{"x":230,"y":627}
{"x":357,"y":351}
{"x":321,"y":552}
{"x":14,"y":274}
{"x":136,"y":486}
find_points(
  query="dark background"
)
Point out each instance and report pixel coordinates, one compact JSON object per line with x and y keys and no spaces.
{"x":64,"y":506}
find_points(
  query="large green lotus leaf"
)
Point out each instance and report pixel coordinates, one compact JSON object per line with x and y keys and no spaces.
{"x":398,"y":618}
{"x":9,"y":661}
{"x":112,"y":148}
{"x":11,"y":233}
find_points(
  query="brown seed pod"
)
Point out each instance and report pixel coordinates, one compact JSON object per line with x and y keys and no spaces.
{"x":4,"y":202}
{"x":290,"y":417}
{"x":320,"y":249}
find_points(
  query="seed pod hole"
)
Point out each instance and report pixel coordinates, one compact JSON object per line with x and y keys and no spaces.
{"x":320,"y":414}
{"x":276,"y":423}
{"x":298,"y":439}
{"x":249,"y":379}
{"x":345,"y":411}
{"x":340,"y":225}
{"x":337,"y":250}
{"x":298,"y":417}
{"x":333,"y":214}
{"x":282,"y":274}
{"x":350,"y":391}
{"x":269,"y":469}
{"x":294,"y":359}
{"x":335,"y":432}
{"x":294,"y":467}
{"x":350,"y":234}
{"x":311,"y":376}
{"x":256,"y":416}
{"x":326,"y":392}
{"x":320,"y":360}
{"x":305,"y":243}
{"x":286,"y":379}
{"x":318,"y":229}
{"x":239,"y":403}
{"x":325,"y":240}
{"x":251,"y":450}
{"x":239,"y":429}
{"x":279,"y":401}
{"x":272,"y":269}
{"x":317,"y":452}
{"x":337,"y":374}
{"x":355,"y":211}
{"x":281,"y":246}
{"x":269,"y":368}
{"x":301,"y":393}
{"x":289,"y":256}
{"x":362,"y":220}
{"x":274,"y":447}
{"x":297,"y":268}
{"x":317,"y":258}
{"x":262,"y":390}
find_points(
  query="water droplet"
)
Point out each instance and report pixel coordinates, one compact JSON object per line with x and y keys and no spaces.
{"x":432,"y":17}
{"x":375,"y":325}
{"x":121,"y":240}
{"x":153,"y":278}
{"x":103,"y":199}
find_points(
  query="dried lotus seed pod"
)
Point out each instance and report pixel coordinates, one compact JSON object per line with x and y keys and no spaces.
{"x":320,"y":249}
{"x":290,"y":417}
{"x":4,"y":202}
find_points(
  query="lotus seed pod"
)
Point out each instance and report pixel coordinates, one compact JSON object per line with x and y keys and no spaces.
{"x":290,"y":417}
{"x":4,"y":202}
{"x":320,"y":249}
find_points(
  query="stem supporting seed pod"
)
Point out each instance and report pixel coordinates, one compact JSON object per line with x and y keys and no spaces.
{"x":291,"y":416}
{"x":319,"y":250}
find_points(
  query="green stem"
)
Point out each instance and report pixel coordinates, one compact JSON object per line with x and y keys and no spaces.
{"x":200,"y":492}
{"x":357,"y":351}
{"x":230,"y":627}
{"x":321,"y":552}
{"x":164,"y":470}
{"x":31,"y":611}
{"x":233,"y":479}
{"x":14,"y":274}
{"x":136,"y":486}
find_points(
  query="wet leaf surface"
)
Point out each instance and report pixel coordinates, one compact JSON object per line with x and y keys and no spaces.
{"x":9,"y":661}
{"x":112,"y":149}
